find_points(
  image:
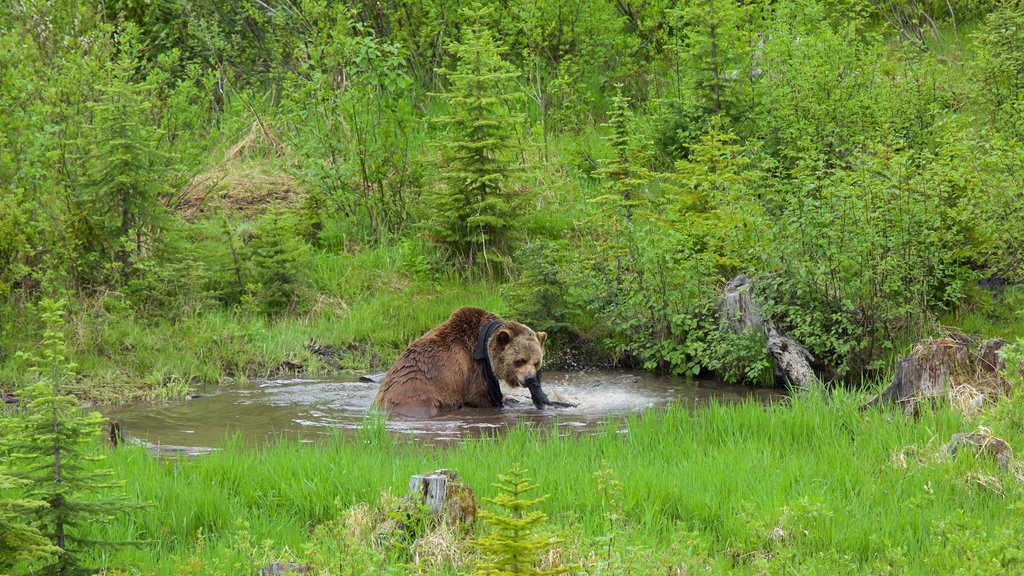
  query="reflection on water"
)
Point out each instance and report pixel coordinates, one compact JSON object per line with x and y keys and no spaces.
{"x":305,"y":408}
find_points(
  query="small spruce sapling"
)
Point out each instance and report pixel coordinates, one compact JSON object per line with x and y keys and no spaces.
{"x":20,"y":543}
{"x":611,"y":501}
{"x":49,"y":442}
{"x":512,"y":548}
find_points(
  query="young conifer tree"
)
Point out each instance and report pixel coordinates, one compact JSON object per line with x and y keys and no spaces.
{"x":21,"y":544}
{"x":513,"y":547}
{"x":125,"y":168}
{"x":627,"y":177}
{"x":49,"y":446}
{"x":716,"y":47}
{"x":473,"y":213}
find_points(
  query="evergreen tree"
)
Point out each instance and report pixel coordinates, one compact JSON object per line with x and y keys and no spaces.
{"x":278,"y":258}
{"x":49,"y":446}
{"x":627,"y":177}
{"x":20,"y":543}
{"x":474,"y":211}
{"x":125,"y":170}
{"x":513,"y":547}
{"x":716,"y":46}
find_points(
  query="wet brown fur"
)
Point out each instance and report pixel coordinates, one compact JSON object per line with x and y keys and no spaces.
{"x":437,"y":372}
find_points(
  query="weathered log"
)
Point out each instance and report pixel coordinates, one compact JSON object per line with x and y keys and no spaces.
{"x":989,"y":357}
{"x":442,"y":493}
{"x":373,"y":378}
{"x":741,"y":312}
{"x":791,"y":359}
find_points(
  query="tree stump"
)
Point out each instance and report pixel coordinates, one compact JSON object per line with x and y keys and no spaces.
{"x":443,"y":494}
{"x":790,"y":359}
{"x":946,"y":368}
{"x":738,"y":308}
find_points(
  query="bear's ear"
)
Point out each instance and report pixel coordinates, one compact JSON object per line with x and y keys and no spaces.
{"x":541,"y":336}
{"x":503,"y":337}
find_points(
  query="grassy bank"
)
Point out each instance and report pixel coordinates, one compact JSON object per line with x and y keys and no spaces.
{"x":363,"y":310}
{"x":815,"y":487}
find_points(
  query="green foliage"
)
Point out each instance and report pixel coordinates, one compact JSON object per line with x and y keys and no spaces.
{"x":474,"y":212}
{"x":21,"y":544}
{"x":716,"y":42}
{"x":513,"y":546}
{"x":1013,"y":357}
{"x":539,"y":297}
{"x":1000,"y":66}
{"x":117,"y":213}
{"x":625,"y":173}
{"x":279,"y":258}
{"x":893,"y":505}
{"x":348,"y":106}
{"x":48,"y":446}
{"x":859,"y":157}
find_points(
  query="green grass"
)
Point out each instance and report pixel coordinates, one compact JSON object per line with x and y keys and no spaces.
{"x":367,"y":306}
{"x":816,"y":487}
{"x":991,"y":314}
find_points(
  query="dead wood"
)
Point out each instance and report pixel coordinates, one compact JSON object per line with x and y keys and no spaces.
{"x":954,"y":369}
{"x":741,"y":312}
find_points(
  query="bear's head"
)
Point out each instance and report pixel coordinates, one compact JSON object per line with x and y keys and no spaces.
{"x":516,"y":353}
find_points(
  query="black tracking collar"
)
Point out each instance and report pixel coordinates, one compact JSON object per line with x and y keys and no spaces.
{"x":480,"y":353}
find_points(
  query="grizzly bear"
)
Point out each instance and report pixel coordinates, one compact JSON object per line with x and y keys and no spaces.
{"x":459,"y":364}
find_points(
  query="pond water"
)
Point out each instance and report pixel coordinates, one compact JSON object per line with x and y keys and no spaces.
{"x":306,"y":408}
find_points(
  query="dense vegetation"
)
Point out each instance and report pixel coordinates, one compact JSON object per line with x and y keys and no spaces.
{"x":236,"y":189}
{"x":218,"y":189}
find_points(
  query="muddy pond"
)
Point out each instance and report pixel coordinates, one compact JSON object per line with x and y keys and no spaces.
{"x":306,"y":408}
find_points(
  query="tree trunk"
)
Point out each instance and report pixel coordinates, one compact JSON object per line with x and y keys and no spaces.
{"x":790,"y":359}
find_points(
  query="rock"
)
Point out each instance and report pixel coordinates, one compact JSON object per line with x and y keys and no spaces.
{"x":981,"y":441}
